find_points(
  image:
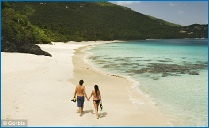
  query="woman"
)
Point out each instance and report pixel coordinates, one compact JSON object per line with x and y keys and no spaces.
{"x":96,"y":99}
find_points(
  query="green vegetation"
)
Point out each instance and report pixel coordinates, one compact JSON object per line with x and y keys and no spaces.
{"x":19,"y":35}
{"x":163,"y":21}
{"x":42,"y":22}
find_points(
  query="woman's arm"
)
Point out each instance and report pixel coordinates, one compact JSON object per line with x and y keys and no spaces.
{"x":84,"y":92}
{"x":100,"y":97}
{"x":91,"y":95}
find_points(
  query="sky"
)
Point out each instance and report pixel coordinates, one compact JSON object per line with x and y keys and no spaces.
{"x":182,"y":13}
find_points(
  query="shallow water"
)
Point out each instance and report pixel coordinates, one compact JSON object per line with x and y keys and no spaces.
{"x":173,"y":73}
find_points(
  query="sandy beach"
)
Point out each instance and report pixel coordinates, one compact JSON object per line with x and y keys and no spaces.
{"x":40,"y":88}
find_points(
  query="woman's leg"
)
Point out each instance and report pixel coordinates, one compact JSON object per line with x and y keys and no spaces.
{"x":96,"y":109}
{"x":97,"y":105}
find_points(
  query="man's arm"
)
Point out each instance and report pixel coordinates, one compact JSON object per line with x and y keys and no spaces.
{"x":75,"y":92}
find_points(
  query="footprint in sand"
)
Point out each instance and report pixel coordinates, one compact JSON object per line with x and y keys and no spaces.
{"x":16,"y":108}
{"x":8,"y":117}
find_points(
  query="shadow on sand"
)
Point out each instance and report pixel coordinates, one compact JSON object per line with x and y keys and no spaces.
{"x":88,"y":111}
{"x":102,"y":115}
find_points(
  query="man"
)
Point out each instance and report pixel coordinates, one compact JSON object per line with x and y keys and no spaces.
{"x":80,"y":91}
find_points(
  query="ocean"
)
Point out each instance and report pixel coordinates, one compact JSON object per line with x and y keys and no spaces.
{"x":172,"y":72}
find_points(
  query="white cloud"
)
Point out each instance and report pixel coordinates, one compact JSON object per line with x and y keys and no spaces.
{"x":126,"y":2}
{"x":172,"y":4}
{"x":180,"y":12}
{"x":205,"y":21}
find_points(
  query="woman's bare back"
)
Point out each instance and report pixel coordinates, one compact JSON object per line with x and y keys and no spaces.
{"x":96,"y":97}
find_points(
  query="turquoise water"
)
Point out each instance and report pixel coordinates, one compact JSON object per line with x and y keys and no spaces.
{"x":174,"y":73}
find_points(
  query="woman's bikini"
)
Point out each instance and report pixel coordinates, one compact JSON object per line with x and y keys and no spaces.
{"x":97,"y":101}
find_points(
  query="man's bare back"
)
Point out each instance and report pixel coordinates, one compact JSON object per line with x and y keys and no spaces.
{"x":80,"y":90}
{"x":81,"y":93}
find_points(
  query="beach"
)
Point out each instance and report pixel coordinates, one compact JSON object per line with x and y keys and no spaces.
{"x":40,"y":88}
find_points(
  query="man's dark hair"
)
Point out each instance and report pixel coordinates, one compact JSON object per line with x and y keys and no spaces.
{"x":81,"y":82}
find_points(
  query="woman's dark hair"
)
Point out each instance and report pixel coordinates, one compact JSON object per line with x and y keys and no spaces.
{"x":96,"y":88}
{"x":81,"y":82}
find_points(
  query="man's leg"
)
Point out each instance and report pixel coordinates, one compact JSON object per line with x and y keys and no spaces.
{"x":80,"y":110}
{"x":82,"y":107}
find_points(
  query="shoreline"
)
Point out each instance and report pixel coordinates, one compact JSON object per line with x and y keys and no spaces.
{"x":39,"y":89}
{"x":175,"y":117}
{"x":151,"y":115}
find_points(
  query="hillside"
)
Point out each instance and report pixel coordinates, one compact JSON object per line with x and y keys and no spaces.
{"x":78,"y":21}
{"x":19,"y":35}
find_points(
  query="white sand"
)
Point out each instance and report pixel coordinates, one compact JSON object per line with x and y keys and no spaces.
{"x":39,"y":89}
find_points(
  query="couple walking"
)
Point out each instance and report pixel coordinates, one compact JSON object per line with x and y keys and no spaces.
{"x":80,"y":92}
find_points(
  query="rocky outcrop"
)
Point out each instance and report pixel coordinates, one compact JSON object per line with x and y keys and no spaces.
{"x":33,"y":49}
{"x":25,"y":48}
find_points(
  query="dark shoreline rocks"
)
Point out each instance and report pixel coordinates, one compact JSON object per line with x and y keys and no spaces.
{"x":171,"y":69}
{"x":24,"y":48}
{"x":33,"y":49}
{"x":162,"y":68}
